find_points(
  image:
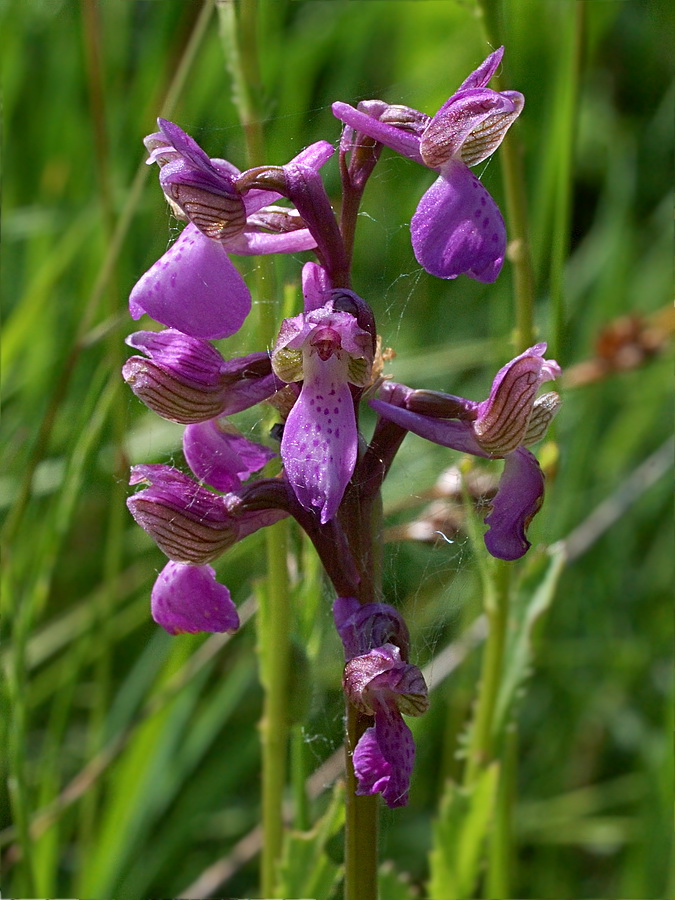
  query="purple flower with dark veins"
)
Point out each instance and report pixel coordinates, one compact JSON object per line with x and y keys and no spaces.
{"x":189,"y":523}
{"x":326,"y":350}
{"x":503,"y":426}
{"x":457,"y":228}
{"x":380,"y":684}
{"x":186,"y":380}
{"x":194,"y":286}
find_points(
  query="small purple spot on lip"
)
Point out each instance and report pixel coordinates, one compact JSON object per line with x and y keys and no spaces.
{"x":329,"y":430}
{"x":483,"y":201}
{"x":336,"y":411}
{"x":495,"y":238}
{"x":337,"y":432}
{"x":486,"y":222}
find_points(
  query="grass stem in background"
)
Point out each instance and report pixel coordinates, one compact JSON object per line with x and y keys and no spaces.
{"x":518,"y":250}
{"x":238,"y":32}
{"x":569,"y":73}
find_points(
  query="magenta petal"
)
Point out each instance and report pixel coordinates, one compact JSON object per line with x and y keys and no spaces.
{"x":446,"y":432}
{"x":221,"y":456}
{"x":188,"y":599}
{"x":258,"y":243}
{"x":457,"y":228}
{"x":398,"y":139}
{"x":320,"y":439}
{"x":482,"y":75}
{"x":384,"y":756}
{"x":195,"y":288}
{"x":315,"y":285}
{"x":519,"y":498}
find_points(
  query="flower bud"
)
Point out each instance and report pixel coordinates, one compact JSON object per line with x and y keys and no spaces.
{"x":365,"y":626}
{"x":381,"y":678}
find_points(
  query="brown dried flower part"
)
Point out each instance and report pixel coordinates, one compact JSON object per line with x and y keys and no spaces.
{"x":624,"y":344}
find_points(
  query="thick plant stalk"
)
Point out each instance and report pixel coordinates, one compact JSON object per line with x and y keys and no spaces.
{"x":361,"y":819}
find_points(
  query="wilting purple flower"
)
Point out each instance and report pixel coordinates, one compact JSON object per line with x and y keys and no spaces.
{"x":195,"y":287}
{"x":380,"y":684}
{"x":221,"y":456}
{"x":188,"y":599}
{"x":502,"y":426}
{"x":189,"y":523}
{"x":327,"y":351}
{"x":457,"y":228}
{"x":186,"y":380}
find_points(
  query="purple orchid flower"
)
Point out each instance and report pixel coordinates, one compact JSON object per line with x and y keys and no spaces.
{"x":194,"y":286}
{"x":186,"y":380}
{"x":188,"y":599}
{"x":189,"y":523}
{"x":503,"y":426}
{"x":380,"y":684}
{"x":457,"y":228}
{"x":326,"y":350}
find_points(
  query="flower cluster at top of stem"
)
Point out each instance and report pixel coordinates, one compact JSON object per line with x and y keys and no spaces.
{"x":324,"y":363}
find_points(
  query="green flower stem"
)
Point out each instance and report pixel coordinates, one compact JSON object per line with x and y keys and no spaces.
{"x":362,"y":520}
{"x":480,"y":750}
{"x":238,"y":31}
{"x":361,"y":817}
{"x":510,"y":153}
{"x":500,"y":854}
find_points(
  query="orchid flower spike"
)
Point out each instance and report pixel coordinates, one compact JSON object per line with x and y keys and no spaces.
{"x":503,"y":426}
{"x":457,"y":228}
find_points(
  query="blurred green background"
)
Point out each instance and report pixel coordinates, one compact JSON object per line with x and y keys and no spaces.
{"x":160,"y":733}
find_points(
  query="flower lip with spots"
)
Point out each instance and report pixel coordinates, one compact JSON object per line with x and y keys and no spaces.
{"x":326,"y":350}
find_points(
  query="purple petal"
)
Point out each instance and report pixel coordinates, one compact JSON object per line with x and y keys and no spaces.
{"x":447,"y":433}
{"x":195,"y":288}
{"x":195,"y":361}
{"x":473,"y":123}
{"x":384,"y":757}
{"x":482,"y":75}
{"x":503,"y":418}
{"x":184,"y":144}
{"x":401,"y":141}
{"x":320,"y":438}
{"x":315,"y":285}
{"x":315,"y":155}
{"x":457,"y":228}
{"x":221,"y":456}
{"x":188,"y":599}
{"x":519,"y":498}
{"x":258,"y":243}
